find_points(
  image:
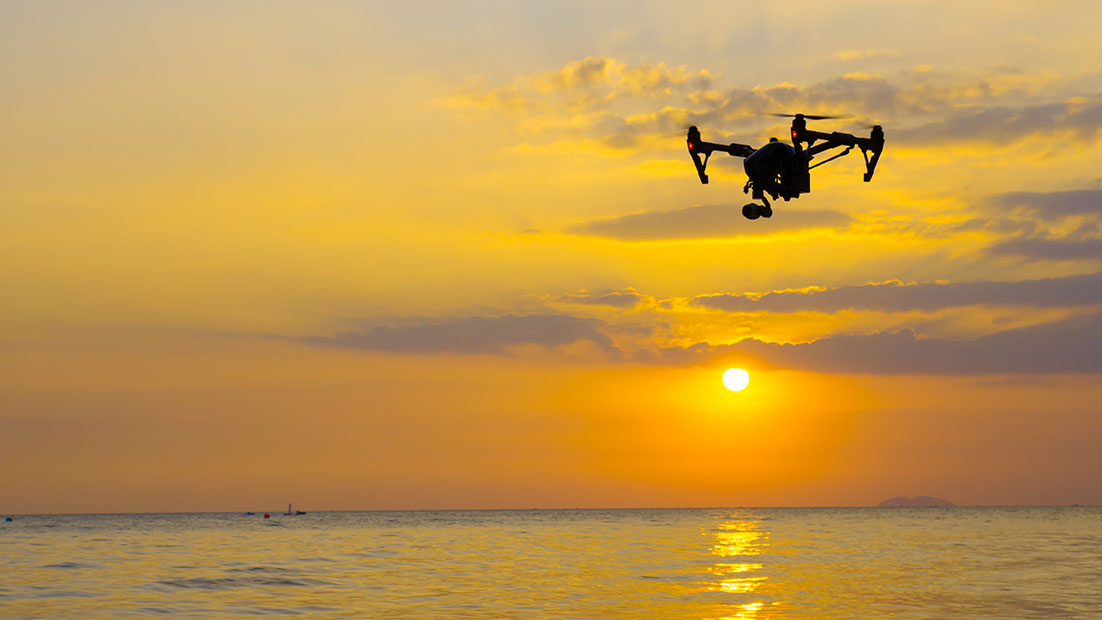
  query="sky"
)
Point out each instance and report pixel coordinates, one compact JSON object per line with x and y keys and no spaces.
{"x":439,"y":255}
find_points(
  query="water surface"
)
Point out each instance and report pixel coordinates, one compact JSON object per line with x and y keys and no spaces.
{"x":679,"y":563}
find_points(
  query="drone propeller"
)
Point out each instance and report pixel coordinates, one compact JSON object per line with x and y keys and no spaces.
{"x":810,"y":117}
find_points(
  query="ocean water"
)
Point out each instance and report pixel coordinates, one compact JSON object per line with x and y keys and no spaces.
{"x":679,"y":563}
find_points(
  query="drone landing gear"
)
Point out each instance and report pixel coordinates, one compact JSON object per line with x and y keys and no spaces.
{"x":753,"y":211}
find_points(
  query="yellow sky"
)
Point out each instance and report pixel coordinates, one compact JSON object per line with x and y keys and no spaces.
{"x":456,"y":256}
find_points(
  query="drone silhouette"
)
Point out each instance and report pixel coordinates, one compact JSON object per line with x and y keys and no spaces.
{"x":783,"y":171}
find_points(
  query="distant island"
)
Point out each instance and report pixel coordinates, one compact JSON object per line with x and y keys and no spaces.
{"x":922,"y":501}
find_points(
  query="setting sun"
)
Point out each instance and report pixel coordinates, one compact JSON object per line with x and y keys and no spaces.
{"x":736,"y":379}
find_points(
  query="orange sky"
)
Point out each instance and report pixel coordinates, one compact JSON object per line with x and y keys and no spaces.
{"x":456,"y":256}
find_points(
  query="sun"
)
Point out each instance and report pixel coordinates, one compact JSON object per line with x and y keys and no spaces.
{"x":736,"y":379}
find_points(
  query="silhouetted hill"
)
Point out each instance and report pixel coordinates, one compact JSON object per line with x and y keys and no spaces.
{"x":922,"y":501}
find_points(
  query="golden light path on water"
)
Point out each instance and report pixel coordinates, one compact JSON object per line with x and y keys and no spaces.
{"x":737,"y":542}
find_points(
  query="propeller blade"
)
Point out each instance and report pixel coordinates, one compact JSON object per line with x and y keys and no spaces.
{"x":810,"y":117}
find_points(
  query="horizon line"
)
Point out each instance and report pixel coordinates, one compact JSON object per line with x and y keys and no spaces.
{"x":532,"y":509}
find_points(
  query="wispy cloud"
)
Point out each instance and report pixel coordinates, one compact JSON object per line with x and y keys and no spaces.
{"x":471,"y":335}
{"x":866,"y":54}
{"x":701,"y":222}
{"x":1069,"y":346}
{"x":1053,"y":204}
{"x":1005,"y":124}
{"x":615,"y":299}
{"x":895,"y":296}
{"x":1057,"y":226}
{"x":1051,"y":248}
{"x":628,"y":107}
{"x":1064,"y":346}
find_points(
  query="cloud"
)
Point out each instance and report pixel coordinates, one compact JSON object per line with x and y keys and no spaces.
{"x":1053,"y":204}
{"x":1069,"y":346}
{"x":865,"y":54}
{"x":478,"y":334}
{"x":505,"y":99}
{"x":1051,"y":248}
{"x":1001,"y":125}
{"x":630,"y":107}
{"x":708,"y":221}
{"x":895,"y":296}
{"x":1081,"y":243}
{"x":659,"y":79}
{"x":615,"y":299}
{"x":585,"y":73}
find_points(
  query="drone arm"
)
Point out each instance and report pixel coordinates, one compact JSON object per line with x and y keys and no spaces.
{"x":874,"y":143}
{"x":812,"y":151}
{"x":737,"y":150}
{"x":830,"y":140}
{"x":830,"y":159}
{"x":698,"y":147}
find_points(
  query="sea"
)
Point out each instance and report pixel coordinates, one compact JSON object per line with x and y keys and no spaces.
{"x":716,"y":563}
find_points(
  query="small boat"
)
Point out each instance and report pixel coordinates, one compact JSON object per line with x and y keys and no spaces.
{"x":293,"y":513}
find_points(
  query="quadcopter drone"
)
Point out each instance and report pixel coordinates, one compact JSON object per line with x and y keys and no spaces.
{"x":783,"y":171}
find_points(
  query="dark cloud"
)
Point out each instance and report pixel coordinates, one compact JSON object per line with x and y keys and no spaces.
{"x":872,"y":93}
{"x":478,"y":334}
{"x":1053,"y":204}
{"x":616,"y":299}
{"x":1069,"y":346}
{"x":745,"y":106}
{"x":983,"y":117}
{"x":1004,"y":124}
{"x":915,"y":107}
{"x":1084,"y":290}
{"x":992,"y":224}
{"x":873,"y":96}
{"x":1051,"y":248}
{"x":709,"y":221}
{"x":1022,"y":220}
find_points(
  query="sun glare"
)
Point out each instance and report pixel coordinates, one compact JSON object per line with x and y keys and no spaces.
{"x":736,"y":379}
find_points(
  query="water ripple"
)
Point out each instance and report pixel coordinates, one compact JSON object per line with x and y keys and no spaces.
{"x":679,"y":564}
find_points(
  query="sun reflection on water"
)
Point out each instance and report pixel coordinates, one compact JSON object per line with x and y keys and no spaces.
{"x":737,"y":542}
{"x":749,"y":611}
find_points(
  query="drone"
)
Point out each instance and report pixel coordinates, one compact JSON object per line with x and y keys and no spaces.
{"x":783,"y":171}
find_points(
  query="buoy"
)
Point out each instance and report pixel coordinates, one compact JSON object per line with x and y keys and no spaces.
{"x":266,"y":515}
{"x":8,"y":520}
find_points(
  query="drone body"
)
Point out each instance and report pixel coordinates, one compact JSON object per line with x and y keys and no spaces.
{"x":784,"y":171}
